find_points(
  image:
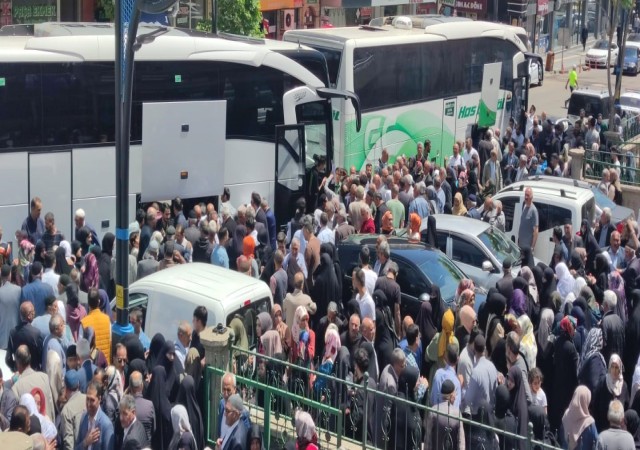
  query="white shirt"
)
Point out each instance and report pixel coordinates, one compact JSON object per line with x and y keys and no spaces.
{"x":456,"y":161}
{"x":367,"y":307}
{"x":370,"y":278}
{"x":327,"y":235}
{"x":466,"y":155}
{"x":51,"y":278}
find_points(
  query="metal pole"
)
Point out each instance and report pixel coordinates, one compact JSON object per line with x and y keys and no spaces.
{"x":214,"y":18}
{"x":123,"y":87}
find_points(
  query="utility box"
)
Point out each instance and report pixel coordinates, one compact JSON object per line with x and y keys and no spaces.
{"x":551,"y":57}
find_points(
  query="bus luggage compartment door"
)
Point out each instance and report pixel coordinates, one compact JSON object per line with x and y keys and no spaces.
{"x":448,"y":127}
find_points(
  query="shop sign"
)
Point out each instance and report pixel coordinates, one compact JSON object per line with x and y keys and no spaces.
{"x":451,"y":3}
{"x":270,"y":5}
{"x":34,"y":11}
{"x":476,"y":6}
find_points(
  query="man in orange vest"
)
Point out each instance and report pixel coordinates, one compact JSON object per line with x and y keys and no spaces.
{"x":100,"y":323}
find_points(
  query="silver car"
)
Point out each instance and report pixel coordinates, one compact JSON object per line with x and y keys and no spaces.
{"x":476,"y":247}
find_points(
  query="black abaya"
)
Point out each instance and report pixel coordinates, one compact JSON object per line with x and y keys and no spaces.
{"x":325,"y":285}
{"x":187,"y":398}
{"x":173,"y":370}
{"x":158,"y":396}
{"x":632,"y":335}
{"x":565,"y":378}
{"x":518,"y":401}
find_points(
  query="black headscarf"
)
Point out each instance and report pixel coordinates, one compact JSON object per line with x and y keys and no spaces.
{"x":581,"y":303}
{"x":135,"y":350}
{"x":518,"y":399}
{"x":590,"y":244}
{"x":539,"y":420}
{"x":538,"y":275}
{"x":438,"y":307}
{"x":157,"y":394}
{"x":173,"y":370}
{"x":632,"y":335}
{"x":575,"y":262}
{"x":503,"y":401}
{"x":431,"y":231}
{"x":325,"y":285}
{"x":62,"y":267}
{"x":505,"y":419}
{"x":549,"y":286}
{"x":187,"y":398}
{"x":155,"y":350}
{"x":425,"y":324}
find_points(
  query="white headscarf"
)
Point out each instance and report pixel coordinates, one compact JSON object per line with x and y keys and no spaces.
{"x":181,"y":425}
{"x":566,"y":282}
{"x":579,"y":284}
{"x":635,"y":384}
{"x":615,"y":385}
{"x":48,"y":428}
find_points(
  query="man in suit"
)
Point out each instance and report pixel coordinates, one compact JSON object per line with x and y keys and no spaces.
{"x":96,"y":430}
{"x":37,"y":291}
{"x":25,"y":334}
{"x":29,"y":379}
{"x":135,"y":436}
{"x":8,"y":399}
{"x":72,"y":411}
{"x":145,"y":412}
{"x":505,"y":284}
{"x":9,"y":305}
{"x":605,"y":228}
{"x":235,"y":437}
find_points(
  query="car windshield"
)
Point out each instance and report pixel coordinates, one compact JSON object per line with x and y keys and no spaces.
{"x":499,"y":245}
{"x":630,"y":51}
{"x":630,"y":102}
{"x":442,"y":272}
{"x":601,"y":45}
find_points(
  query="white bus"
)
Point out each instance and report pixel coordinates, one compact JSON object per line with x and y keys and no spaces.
{"x":418,"y":78}
{"x":57,"y":122}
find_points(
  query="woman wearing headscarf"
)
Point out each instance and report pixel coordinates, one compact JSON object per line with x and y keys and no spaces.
{"x":187,"y":398}
{"x":306,"y":434}
{"x":505,"y":418}
{"x":241,"y":341}
{"x":566,"y":282}
{"x":481,"y":438}
{"x":140,"y":365}
{"x":74,"y":311}
{"x":594,"y":307}
{"x":528,"y":346}
{"x":155,"y":350}
{"x":527,"y":273}
{"x":495,"y":306}
{"x":104,"y":264}
{"x":518,"y":303}
{"x":593,"y":368}
{"x":581,"y":302}
{"x":526,"y":254}
{"x":61,"y":268}
{"x":632,"y":335}
{"x":90,"y":278}
{"x":405,"y":432}
{"x":303,"y":345}
{"x":332,"y":346}
{"x":548,"y":287}
{"x":458,"y":205}
{"x":613,"y":387}
{"x":518,"y":400}
{"x":466,"y":320}
{"x":269,"y":343}
{"x":632,"y":422}
{"x":183,"y":437}
{"x":157,"y":394}
{"x":437,"y":348}
{"x":325,"y":283}
{"x":578,"y":426}
{"x":599,"y":281}
{"x":590,"y":244}
{"x":111,"y":398}
{"x":282,"y":328}
{"x":425,"y":323}
{"x":173,"y":369}
{"x":255,"y":438}
{"x":581,"y":333}
{"x":438,"y":306}
{"x":47,"y":428}
{"x":576,"y":265}
{"x":565,"y":370}
{"x":616,"y":284}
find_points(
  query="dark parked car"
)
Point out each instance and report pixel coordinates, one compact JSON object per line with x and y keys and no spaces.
{"x":420,"y":266}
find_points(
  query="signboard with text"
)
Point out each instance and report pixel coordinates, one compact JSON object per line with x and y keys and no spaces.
{"x":34,"y":11}
{"x":474,"y":6}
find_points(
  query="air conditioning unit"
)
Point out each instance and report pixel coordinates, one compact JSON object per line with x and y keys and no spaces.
{"x":288,"y":19}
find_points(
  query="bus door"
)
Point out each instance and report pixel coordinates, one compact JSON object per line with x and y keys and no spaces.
{"x":448,"y":126}
{"x":290,"y":169}
{"x":520,"y":101}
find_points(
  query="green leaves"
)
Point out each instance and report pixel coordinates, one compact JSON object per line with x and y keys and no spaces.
{"x":240,"y":17}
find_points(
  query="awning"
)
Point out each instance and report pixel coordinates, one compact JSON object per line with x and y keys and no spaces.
{"x":270,"y":5}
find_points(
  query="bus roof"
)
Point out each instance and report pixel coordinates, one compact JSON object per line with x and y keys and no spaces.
{"x":436,"y":31}
{"x":78,"y":42}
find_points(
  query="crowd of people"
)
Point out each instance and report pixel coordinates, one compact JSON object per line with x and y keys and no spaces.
{"x":570,"y":328}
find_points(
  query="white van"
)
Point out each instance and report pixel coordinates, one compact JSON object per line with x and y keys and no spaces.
{"x":555,"y":203}
{"x":171,"y":295}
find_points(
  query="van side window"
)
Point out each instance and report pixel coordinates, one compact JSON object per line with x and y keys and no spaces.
{"x":509,"y":209}
{"x":249,"y":314}
{"x":551,"y":216}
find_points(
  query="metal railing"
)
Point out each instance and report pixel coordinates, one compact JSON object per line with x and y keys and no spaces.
{"x":628,"y":164}
{"x":273,"y":389}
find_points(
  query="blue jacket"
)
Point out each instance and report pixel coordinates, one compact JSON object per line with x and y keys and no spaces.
{"x":36,"y":292}
{"x":107,"y":438}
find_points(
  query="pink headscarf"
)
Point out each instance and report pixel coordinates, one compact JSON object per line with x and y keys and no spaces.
{"x":332,"y":344}
{"x":90,"y":276}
